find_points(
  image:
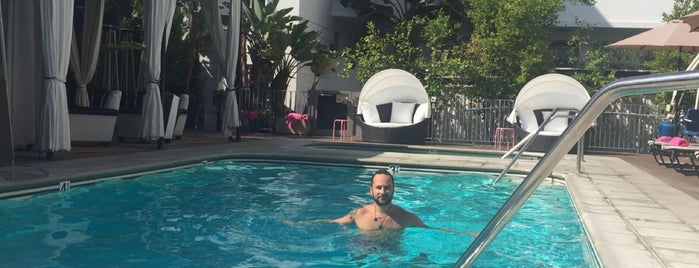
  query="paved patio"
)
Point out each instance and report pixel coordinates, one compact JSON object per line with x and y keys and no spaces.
{"x":637,"y":213}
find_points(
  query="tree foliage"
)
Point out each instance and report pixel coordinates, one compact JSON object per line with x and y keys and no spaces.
{"x":510,"y":44}
{"x":594,"y":68}
{"x":188,"y":37}
{"x":387,"y":13}
{"x":280,"y":44}
{"x":504,"y":44}
{"x":427,"y":48}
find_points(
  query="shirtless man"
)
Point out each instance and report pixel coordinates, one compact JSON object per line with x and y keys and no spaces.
{"x":382,"y":214}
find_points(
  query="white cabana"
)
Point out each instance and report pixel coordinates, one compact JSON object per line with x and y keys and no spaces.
{"x":83,"y":58}
{"x":393,"y":107}
{"x":539,"y":97}
{"x":157,"y":15}
{"x":56,"y":26}
{"x":227,"y":51}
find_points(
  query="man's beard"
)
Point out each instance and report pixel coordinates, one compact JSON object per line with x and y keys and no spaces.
{"x":386,"y":200}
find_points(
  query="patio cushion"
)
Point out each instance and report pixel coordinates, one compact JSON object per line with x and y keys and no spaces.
{"x":384,"y":112}
{"x":387,"y":125}
{"x":420,"y":113}
{"x":527,"y":120}
{"x":558,"y":124}
{"x":402,"y":112}
{"x":369,"y":112}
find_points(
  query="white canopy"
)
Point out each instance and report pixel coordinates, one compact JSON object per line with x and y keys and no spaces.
{"x":393,"y":85}
{"x":547,"y":91}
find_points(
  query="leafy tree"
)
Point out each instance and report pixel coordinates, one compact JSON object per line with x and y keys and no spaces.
{"x":424,"y":47}
{"x":188,"y":36}
{"x":510,"y":45}
{"x":280,"y":42}
{"x":387,"y":13}
{"x":499,"y":47}
{"x":279,"y":45}
{"x":594,"y":68}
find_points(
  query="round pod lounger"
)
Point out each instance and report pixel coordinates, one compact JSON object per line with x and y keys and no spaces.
{"x":393,"y":107}
{"x":536,"y":101}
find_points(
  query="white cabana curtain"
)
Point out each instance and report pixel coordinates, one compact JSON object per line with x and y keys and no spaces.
{"x":56,"y":26}
{"x":83,"y":59}
{"x":157,"y":13}
{"x":227,"y":51}
{"x":6,"y":143}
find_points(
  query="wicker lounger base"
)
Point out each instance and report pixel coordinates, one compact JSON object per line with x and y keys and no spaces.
{"x":412,"y":134}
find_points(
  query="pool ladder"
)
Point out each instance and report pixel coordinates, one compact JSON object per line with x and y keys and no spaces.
{"x":524,"y":143}
{"x":638,"y":85}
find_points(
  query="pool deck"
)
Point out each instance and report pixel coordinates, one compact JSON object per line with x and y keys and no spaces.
{"x":637,"y":215}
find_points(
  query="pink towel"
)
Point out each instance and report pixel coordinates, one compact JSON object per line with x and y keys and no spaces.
{"x":678,"y":141}
{"x":293,"y":118}
{"x":663,"y":139}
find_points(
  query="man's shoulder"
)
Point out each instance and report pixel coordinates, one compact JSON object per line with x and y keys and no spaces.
{"x":362,"y":210}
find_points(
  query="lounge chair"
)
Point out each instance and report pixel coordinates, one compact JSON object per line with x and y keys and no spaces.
{"x":656,"y":149}
{"x":181,"y":121}
{"x":691,"y":153}
{"x":691,"y":123}
{"x":129,"y":120}
{"x":393,"y":107}
{"x":95,"y":124}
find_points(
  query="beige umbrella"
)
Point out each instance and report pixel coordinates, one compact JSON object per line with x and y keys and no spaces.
{"x":692,"y":19}
{"x":674,"y":35}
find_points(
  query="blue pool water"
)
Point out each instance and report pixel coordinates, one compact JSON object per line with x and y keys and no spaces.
{"x":232,"y":214}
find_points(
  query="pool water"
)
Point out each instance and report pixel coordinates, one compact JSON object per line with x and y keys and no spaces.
{"x":232,"y":214}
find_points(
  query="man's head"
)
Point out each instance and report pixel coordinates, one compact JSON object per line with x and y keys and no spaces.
{"x":382,"y":187}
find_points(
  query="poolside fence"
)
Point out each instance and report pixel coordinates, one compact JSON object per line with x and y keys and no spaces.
{"x":625,"y":126}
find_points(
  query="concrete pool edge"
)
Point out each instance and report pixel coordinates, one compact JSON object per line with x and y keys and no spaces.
{"x":632,"y":218}
{"x":50,"y":183}
{"x":50,"y":173}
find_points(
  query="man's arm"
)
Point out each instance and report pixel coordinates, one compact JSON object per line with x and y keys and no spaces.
{"x":415,"y":221}
{"x":347,"y":219}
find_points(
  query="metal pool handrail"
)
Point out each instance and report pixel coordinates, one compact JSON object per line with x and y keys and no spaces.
{"x":528,"y":141}
{"x":620,"y":88}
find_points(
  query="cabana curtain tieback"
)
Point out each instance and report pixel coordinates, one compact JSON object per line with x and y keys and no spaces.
{"x":54,"y":78}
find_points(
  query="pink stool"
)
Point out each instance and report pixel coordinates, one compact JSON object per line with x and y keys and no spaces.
{"x":504,"y":132}
{"x":342,"y":129}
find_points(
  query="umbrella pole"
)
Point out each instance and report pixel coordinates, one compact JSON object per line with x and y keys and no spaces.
{"x":672,"y":109}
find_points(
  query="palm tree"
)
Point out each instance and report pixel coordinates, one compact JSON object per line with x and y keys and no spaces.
{"x":279,"y":45}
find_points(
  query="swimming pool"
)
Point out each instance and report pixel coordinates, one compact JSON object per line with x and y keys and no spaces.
{"x":231,"y":213}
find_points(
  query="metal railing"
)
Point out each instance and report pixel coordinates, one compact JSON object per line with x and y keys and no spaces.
{"x":624,"y":126}
{"x":594,"y":108}
{"x":524,"y":143}
{"x":266,"y":105}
